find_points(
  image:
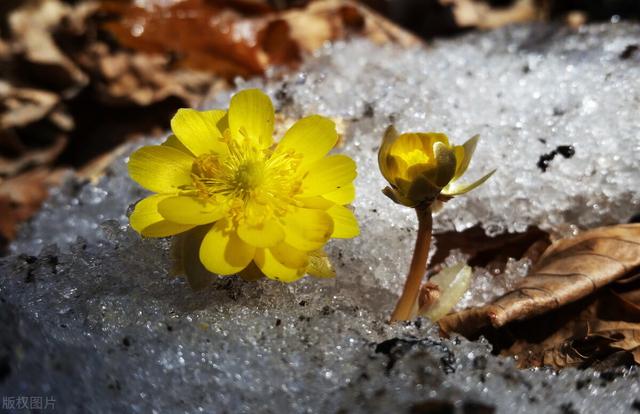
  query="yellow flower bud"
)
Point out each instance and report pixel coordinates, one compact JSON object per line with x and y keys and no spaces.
{"x":423,"y":167}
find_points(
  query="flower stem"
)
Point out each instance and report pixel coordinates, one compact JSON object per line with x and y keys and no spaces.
{"x":405,"y":307}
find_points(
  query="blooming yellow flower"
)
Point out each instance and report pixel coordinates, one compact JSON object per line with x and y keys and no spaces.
{"x":423,"y":166}
{"x":221,"y":178}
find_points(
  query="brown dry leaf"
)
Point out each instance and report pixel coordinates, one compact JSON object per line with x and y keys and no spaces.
{"x":21,"y":197}
{"x":32,"y":28}
{"x":593,"y":329}
{"x":241,"y":38}
{"x":571,"y":269}
{"x":560,"y":315}
{"x":473,"y":13}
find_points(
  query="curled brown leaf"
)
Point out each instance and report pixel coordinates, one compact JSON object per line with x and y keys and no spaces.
{"x":580,"y":304}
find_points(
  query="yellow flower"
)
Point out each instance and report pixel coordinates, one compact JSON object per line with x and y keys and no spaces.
{"x":244,"y":201}
{"x":423,"y":167}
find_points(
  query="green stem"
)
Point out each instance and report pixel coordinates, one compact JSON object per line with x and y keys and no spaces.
{"x":405,"y":307}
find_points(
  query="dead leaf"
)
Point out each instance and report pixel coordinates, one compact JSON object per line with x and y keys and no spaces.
{"x":581,"y":334}
{"x":241,"y":40}
{"x":32,"y":29}
{"x":571,"y":269}
{"x":21,"y":197}
{"x":472,"y":13}
{"x":560,"y":315}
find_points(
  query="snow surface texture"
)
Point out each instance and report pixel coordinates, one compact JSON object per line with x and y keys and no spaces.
{"x":98,"y":324}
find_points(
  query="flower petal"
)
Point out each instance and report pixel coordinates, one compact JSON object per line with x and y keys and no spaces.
{"x":469,"y":148}
{"x":312,"y":137}
{"x":308,"y":229}
{"x":328,"y":175}
{"x":316,"y":202}
{"x":273,"y":269}
{"x":267,"y":234}
{"x":147,"y":221}
{"x":173,"y":142}
{"x":343,"y":195}
{"x":423,"y":142}
{"x":223,"y":252}
{"x":390,"y":136}
{"x":345,"y":225}
{"x":161,"y":169}
{"x":251,"y":115}
{"x":190,"y":210}
{"x":457,"y":190}
{"x":198,"y":130}
{"x":290,"y":256}
{"x":320,"y":265}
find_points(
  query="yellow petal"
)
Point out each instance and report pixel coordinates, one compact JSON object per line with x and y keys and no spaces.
{"x":198,"y":131}
{"x":185,"y":250}
{"x":147,"y":221}
{"x":251,"y":115}
{"x":316,"y":202}
{"x":190,"y":210}
{"x":161,"y":169}
{"x":173,"y":142}
{"x":407,"y":143}
{"x":223,"y":252}
{"x":267,"y":234}
{"x":273,"y":269}
{"x":458,"y":150}
{"x":290,"y":256}
{"x":343,"y":195}
{"x":413,"y":144}
{"x":320,"y":265}
{"x":328,"y":175}
{"x":469,"y":148}
{"x":307,"y":229}
{"x":345,"y":225}
{"x":456,"y":190}
{"x":390,"y":135}
{"x":312,"y":137}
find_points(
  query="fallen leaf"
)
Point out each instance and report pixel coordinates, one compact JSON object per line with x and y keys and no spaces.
{"x":571,"y":269}
{"x":580,"y":304}
{"x":21,"y":197}
{"x":242,"y":38}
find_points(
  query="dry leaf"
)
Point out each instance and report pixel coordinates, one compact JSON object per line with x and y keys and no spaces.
{"x":571,"y":269}
{"x":560,"y":315}
{"x":21,"y":197}
{"x":238,"y":38}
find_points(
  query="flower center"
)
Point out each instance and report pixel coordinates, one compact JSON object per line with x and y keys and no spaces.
{"x":254,"y":183}
{"x":249,"y":176}
{"x":416,"y":156}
